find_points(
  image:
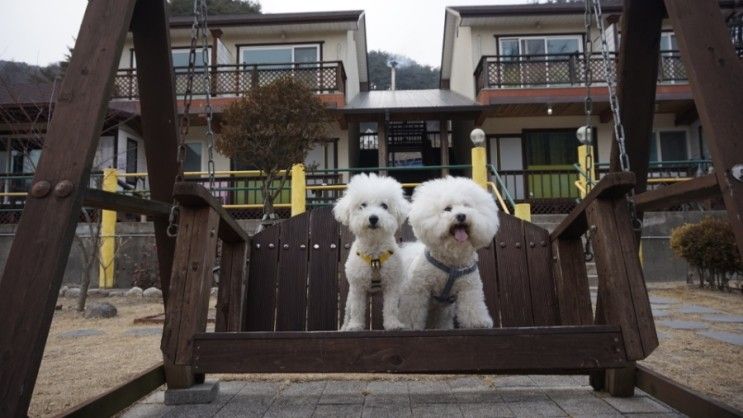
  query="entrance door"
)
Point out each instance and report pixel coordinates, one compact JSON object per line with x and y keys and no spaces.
{"x":550,"y":156}
{"x":506,"y":154}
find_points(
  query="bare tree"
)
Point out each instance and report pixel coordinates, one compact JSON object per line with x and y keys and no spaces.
{"x":271,"y":128}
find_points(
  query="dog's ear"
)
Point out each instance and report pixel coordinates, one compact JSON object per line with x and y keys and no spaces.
{"x":402,"y":208}
{"x":342,"y":210}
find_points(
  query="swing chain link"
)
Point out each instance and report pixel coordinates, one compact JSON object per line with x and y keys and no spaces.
{"x":588,"y":105}
{"x":619,"y":133}
{"x":199,"y":8}
{"x":588,"y":251}
{"x":204,"y":27}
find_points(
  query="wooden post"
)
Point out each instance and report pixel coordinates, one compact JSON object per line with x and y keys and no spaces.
{"x":444,"y":136}
{"x":190,"y":287}
{"x":232,"y":283}
{"x":716,"y":77}
{"x":298,"y":190}
{"x":382,"y":146}
{"x":35,"y":265}
{"x":159,"y":117}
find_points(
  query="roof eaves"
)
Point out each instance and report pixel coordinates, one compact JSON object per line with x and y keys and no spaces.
{"x":272,"y":19}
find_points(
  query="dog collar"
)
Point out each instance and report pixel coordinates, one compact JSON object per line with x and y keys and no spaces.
{"x":376,"y":262}
{"x":452,"y":275}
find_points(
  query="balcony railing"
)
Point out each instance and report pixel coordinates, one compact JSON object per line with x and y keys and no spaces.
{"x":322,"y":77}
{"x":560,"y":70}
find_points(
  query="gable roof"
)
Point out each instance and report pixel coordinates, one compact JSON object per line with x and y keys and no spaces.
{"x":272,"y":18}
{"x":410,"y":100}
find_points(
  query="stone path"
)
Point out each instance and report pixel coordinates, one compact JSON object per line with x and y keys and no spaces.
{"x":664,"y":308}
{"x":467,"y":396}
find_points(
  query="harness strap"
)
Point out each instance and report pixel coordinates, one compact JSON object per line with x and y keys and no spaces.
{"x":376,"y":264}
{"x":452,"y":275}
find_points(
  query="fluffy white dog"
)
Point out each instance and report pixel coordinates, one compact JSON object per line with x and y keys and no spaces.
{"x":452,"y":218}
{"x":373,"y":208}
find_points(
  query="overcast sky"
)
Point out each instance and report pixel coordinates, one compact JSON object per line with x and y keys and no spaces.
{"x":39,"y":31}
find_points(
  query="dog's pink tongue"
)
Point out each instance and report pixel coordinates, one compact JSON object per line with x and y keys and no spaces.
{"x":460,"y":234}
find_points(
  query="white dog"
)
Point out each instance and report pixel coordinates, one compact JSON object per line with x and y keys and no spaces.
{"x":373,"y":208}
{"x":452,"y":218}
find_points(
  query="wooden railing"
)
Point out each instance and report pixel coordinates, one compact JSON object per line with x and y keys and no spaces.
{"x":322,"y":77}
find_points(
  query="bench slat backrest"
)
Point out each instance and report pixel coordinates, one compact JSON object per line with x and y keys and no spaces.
{"x":297,"y":279}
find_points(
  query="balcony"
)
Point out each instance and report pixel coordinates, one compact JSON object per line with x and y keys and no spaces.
{"x":560,"y":70}
{"x":326,"y":77}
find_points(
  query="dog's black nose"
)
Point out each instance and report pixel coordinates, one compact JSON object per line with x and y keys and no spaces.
{"x":461,"y":217}
{"x":373,"y":219}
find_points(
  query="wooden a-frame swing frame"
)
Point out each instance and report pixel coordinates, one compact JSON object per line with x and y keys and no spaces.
{"x":621,"y":332}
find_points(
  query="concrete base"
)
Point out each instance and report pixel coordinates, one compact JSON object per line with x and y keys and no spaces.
{"x":198,"y":394}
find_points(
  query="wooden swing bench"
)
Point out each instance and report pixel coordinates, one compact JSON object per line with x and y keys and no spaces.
{"x":282,"y":292}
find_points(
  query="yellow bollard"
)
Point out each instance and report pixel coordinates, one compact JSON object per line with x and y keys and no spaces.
{"x":480,"y":166}
{"x":108,"y":234}
{"x":299,"y":191}
{"x":523,"y":211}
{"x":586,"y":157}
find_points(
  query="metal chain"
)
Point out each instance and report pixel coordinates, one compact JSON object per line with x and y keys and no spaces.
{"x":204,"y":27}
{"x":185,"y":122}
{"x":615,"y":109}
{"x":588,"y":105}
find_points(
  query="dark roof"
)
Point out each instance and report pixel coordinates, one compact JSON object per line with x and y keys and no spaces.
{"x":610,"y":6}
{"x":272,"y":18}
{"x":25,"y":93}
{"x":607,"y":6}
{"x":410,"y":101}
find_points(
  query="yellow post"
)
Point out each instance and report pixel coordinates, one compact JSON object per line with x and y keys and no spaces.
{"x":586,"y":162}
{"x":108,"y":234}
{"x":523,"y":211}
{"x":299,"y":193}
{"x":479,"y":166}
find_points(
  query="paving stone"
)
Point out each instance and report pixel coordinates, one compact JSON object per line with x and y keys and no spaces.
{"x":696,"y":309}
{"x":386,"y":386}
{"x":145,"y":410}
{"x":467,"y":383}
{"x":430,"y":391}
{"x":658,"y":300}
{"x":157,"y":396}
{"x":252,"y":400}
{"x":81,"y":333}
{"x":522,"y":394}
{"x":476,"y":410}
{"x":556,"y":380}
{"x":387,"y":399}
{"x":726,"y":337}
{"x":198,"y":394}
{"x":512,"y":381}
{"x":478,"y":396}
{"x":581,"y":402}
{"x":438,"y":410}
{"x":387,"y":411}
{"x":152,"y":293}
{"x":676,"y":324}
{"x":338,"y":411}
{"x":344,"y":392}
{"x":142,"y":332}
{"x":636,"y":404}
{"x":134,"y":293}
{"x":541,"y":407}
{"x":660,"y":313}
{"x":724,"y":318}
{"x":192,"y":411}
{"x":663,"y":336}
{"x":290,"y":410}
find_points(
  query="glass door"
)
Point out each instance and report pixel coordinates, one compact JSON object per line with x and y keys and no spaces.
{"x":534,"y":63}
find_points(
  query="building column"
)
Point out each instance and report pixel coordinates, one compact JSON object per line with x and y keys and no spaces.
{"x":382,"y":147}
{"x":444,"y":144}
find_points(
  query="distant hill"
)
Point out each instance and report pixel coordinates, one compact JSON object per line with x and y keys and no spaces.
{"x":410,"y":74}
{"x":12,"y":72}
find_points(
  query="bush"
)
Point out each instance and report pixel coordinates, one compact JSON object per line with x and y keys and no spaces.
{"x":709,"y":246}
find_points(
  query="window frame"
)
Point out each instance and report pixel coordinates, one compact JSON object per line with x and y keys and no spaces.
{"x":293,"y":45}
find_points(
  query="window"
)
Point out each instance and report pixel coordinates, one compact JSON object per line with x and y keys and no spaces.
{"x":671,"y":68}
{"x":669,"y":146}
{"x":180,"y":58}
{"x":539,"y":60}
{"x":279,"y":54}
{"x":551,"y":148}
{"x":131,"y":159}
{"x":193,"y":157}
{"x":541,"y":45}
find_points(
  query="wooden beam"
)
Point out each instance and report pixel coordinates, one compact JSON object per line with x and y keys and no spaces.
{"x":681,"y":398}
{"x":571,"y":282}
{"x":156,"y":85}
{"x":195,"y":195}
{"x":636,"y":85}
{"x":35,"y":265}
{"x":232,"y":282}
{"x":119,"y":398}
{"x":190,"y":287}
{"x":699,"y":188}
{"x":611,"y":185}
{"x":431,"y":351}
{"x":96,"y":198}
{"x":382,"y":145}
{"x":686,"y":116}
{"x":716,"y":77}
{"x":444,"y":135}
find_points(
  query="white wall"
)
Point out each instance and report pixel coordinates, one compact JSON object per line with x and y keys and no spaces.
{"x":462,"y":80}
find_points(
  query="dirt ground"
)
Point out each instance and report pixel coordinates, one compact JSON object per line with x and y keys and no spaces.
{"x":77,"y":368}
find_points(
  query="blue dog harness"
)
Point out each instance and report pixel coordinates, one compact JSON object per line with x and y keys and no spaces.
{"x":452,"y":275}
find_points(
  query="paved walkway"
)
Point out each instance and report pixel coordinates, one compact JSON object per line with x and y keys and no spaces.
{"x":466,"y":396}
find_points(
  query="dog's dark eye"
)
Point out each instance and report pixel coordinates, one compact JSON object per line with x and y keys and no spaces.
{"x":363,"y":205}
{"x":383,"y":206}
{"x":447,"y":209}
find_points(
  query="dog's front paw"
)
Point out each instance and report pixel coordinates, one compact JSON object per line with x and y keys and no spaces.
{"x":352,"y":326}
{"x":394,"y":325}
{"x":478,"y":323}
